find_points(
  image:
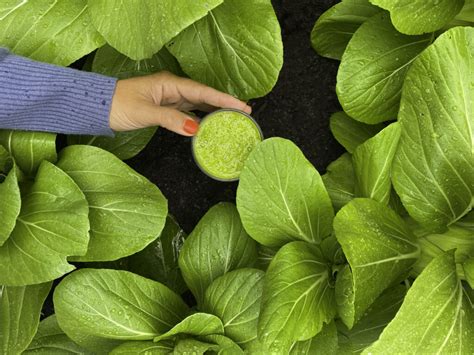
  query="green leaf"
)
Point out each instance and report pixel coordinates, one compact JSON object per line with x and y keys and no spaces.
{"x":433,"y":171}
{"x":335,"y":27}
{"x":265,"y":256}
{"x":29,"y":149}
{"x":159,"y":260}
{"x":20,"y":309}
{"x":108,"y":61}
{"x":468,"y":267}
{"x":379,"y":247}
{"x":298,"y":296}
{"x":54,"y":31}
{"x":52,"y":225}
{"x":434,"y":318}
{"x":126,"y":211}
{"x":144,"y":347}
{"x":371,"y":325}
{"x":216,"y":246}
{"x":339,"y":181}
{"x":281,"y":196}
{"x":373,"y":69}
{"x":414,"y":17}
{"x":50,"y":339}
{"x":5,"y":160}
{"x":323,"y":343}
{"x":197,"y":324}
{"x":351,"y":133}
{"x":10,"y":205}
{"x":467,"y":221}
{"x":372,"y":162}
{"x":226,"y":345}
{"x":193,"y":346}
{"x":332,"y":251}
{"x":396,"y":204}
{"x":235,"y":299}
{"x":236,"y":48}
{"x":140,"y":28}
{"x":94,"y":307}
{"x":466,"y":16}
{"x":433,"y":244}
{"x":124,"y":145}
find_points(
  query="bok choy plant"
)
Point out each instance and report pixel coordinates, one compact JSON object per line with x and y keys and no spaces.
{"x":375,"y":256}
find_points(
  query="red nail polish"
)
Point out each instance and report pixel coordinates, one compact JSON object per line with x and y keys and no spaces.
{"x":191,"y":126}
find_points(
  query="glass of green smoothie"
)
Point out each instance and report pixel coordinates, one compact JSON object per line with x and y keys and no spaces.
{"x":223,"y":142}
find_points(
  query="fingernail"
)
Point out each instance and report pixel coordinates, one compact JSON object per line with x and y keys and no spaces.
{"x":190,"y":126}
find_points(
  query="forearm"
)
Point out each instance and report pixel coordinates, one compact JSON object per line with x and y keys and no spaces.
{"x":43,"y":97}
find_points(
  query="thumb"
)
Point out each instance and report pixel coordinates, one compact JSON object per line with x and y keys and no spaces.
{"x":171,"y":119}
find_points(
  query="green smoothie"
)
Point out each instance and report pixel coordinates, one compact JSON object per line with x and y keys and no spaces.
{"x":223,"y":143}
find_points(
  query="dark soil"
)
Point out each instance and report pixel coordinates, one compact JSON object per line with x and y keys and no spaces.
{"x":298,"y":108}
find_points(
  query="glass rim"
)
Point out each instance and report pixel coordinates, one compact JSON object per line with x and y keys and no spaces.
{"x":193,"y":140}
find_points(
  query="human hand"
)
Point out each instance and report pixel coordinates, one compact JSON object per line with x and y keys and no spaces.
{"x":159,"y":99}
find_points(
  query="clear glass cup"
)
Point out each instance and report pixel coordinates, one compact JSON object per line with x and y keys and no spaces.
{"x":196,"y":138}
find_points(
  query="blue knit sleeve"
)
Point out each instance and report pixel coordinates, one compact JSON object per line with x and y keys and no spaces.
{"x":44,"y":97}
{"x":3,"y":53}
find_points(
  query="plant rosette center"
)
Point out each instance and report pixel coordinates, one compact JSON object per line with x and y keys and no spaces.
{"x":223,"y":143}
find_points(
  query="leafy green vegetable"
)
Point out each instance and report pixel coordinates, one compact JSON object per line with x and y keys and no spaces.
{"x":324,"y":343}
{"x":42,"y":30}
{"x":236,"y":48}
{"x":145,"y":25}
{"x":50,"y":339}
{"x":415,"y":17}
{"x":349,"y":132}
{"x":193,"y":346}
{"x":467,"y":221}
{"x":332,"y":251}
{"x":197,"y":324}
{"x":466,"y":16}
{"x":372,"y":162}
{"x":433,"y":245}
{"x":468,"y":267}
{"x":124,"y":145}
{"x":226,"y":345}
{"x":433,"y":171}
{"x":379,"y":247}
{"x":159,"y":260}
{"x":339,"y":181}
{"x":10,"y":205}
{"x":235,"y":298}
{"x":281,"y":196}
{"x":99,"y":308}
{"x":108,"y":61}
{"x":143,"y":347}
{"x":216,"y":246}
{"x":373,"y":68}
{"x":126,"y":211}
{"x":5,"y":160}
{"x":52,"y":225}
{"x":298,"y":296}
{"x":335,"y":27}
{"x":265,"y":256}
{"x":371,"y":325}
{"x":20,"y":309}
{"x":29,"y":149}
{"x":435,"y":317}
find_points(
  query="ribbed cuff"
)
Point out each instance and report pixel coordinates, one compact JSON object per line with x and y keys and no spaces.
{"x":37,"y":96}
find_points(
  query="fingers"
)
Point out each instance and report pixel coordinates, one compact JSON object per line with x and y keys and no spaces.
{"x":205,"y":96}
{"x":171,"y":119}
